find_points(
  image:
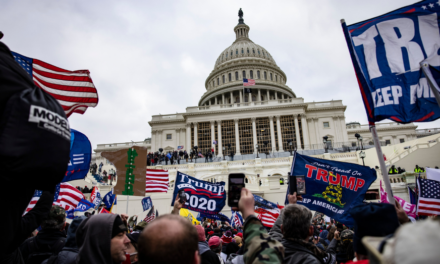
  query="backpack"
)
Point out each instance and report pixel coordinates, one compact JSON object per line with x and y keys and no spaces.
{"x":37,"y":257}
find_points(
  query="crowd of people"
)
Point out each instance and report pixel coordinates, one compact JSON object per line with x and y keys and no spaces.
{"x":174,"y":157}
{"x":296,"y":237}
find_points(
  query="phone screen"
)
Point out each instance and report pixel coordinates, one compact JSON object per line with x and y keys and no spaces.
{"x":300,"y":185}
{"x":236,"y":183}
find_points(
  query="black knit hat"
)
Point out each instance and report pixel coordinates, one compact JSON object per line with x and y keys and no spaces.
{"x":372,"y":219}
{"x":118,"y":226}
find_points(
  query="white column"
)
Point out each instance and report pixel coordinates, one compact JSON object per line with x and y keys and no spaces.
{"x":188,"y":137}
{"x":259,"y":96}
{"x":241,"y":96}
{"x":215,"y":100}
{"x":280,"y":138}
{"x":232,"y":98}
{"x":272,"y":134}
{"x":159,"y":132}
{"x":153,"y":141}
{"x":195,"y":133}
{"x":318,"y":139}
{"x":254,"y":133}
{"x":298,"y":137}
{"x":305,"y":130}
{"x":223,"y":98}
{"x":268,"y":95}
{"x":276,"y":95}
{"x":220,"y":145}
{"x":178,"y":137}
{"x":209,"y":102}
{"x":337,"y":133}
{"x":282,"y":96}
{"x":213,"y":134}
{"x":237,"y":138}
{"x":250,"y":98}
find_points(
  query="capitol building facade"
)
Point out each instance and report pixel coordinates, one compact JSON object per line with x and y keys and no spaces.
{"x":261,"y":128}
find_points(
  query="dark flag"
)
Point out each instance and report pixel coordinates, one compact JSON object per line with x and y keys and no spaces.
{"x":247,"y":90}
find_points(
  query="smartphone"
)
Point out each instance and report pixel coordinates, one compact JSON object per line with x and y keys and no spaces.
{"x":297,"y":184}
{"x":182,"y":196}
{"x":235,"y":184}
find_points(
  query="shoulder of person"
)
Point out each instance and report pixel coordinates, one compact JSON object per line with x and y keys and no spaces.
{"x":301,"y":257}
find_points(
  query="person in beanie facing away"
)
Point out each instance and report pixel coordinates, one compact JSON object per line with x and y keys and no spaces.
{"x":50,"y":240}
{"x":344,"y":248}
{"x":206,"y":255}
{"x":372,"y":219}
{"x":226,"y":239}
{"x":215,"y":244}
{"x":102,"y":239}
{"x":294,"y":229}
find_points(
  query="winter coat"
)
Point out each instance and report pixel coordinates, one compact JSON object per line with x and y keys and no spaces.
{"x":93,"y":239}
{"x":46,"y":241}
{"x":207,"y":256}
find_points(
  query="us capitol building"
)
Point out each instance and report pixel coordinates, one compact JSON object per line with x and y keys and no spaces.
{"x":272,"y":120}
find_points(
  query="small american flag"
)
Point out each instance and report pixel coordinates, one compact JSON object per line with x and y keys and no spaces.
{"x":151,"y":215}
{"x":65,"y":196}
{"x":74,"y":90}
{"x":248,"y":82}
{"x":156,"y":181}
{"x":429,"y":197}
{"x":179,"y":147}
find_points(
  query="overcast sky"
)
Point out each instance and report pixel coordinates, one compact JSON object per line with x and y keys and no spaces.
{"x":151,"y":57}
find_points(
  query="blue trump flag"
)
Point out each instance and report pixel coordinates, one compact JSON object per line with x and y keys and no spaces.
{"x":109,"y":199}
{"x":386,"y":52}
{"x":332,"y":187}
{"x":83,"y":206}
{"x":219,"y":216}
{"x":80,"y":157}
{"x":202,"y":196}
{"x":146,"y":203}
{"x":236,"y":219}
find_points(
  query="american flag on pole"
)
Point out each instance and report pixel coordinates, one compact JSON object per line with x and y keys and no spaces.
{"x":156,"y":181}
{"x":65,"y":196}
{"x":150,"y":216}
{"x":74,"y":90}
{"x":248,"y":82}
{"x":429,"y":197}
{"x":268,"y":216}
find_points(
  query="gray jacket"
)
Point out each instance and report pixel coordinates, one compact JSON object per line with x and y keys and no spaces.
{"x":295,"y":253}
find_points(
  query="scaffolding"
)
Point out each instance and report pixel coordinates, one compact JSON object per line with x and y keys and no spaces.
{"x":228,"y":136}
{"x":246,"y":136}
{"x":263,"y":134}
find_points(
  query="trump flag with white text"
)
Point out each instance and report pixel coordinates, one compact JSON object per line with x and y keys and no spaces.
{"x":386,"y":52}
{"x":332,"y":187}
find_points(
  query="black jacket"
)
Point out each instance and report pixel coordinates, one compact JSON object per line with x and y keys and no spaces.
{"x":46,"y":241}
{"x":207,"y":256}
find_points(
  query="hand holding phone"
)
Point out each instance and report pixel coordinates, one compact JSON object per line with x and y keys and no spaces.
{"x":182,"y":197}
{"x":297,"y":184}
{"x":235,"y":184}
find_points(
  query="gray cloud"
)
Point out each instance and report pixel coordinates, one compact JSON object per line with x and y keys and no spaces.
{"x":151,"y":57}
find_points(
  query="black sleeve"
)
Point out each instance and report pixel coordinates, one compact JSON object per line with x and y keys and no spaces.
{"x":33,"y":219}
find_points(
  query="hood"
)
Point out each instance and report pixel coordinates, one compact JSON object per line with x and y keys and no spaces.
{"x":203,"y":247}
{"x":93,"y":239}
{"x":323,"y":234}
{"x":71,"y":232}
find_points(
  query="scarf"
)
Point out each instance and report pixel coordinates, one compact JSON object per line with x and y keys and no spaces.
{"x":321,"y":255}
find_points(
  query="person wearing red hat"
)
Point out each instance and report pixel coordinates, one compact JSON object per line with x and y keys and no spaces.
{"x":206,"y":255}
{"x":215,"y":244}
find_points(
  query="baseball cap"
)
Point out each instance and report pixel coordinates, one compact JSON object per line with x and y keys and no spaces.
{"x":57,"y":215}
{"x":118,"y":226}
{"x":214,"y":241}
{"x":134,"y":236}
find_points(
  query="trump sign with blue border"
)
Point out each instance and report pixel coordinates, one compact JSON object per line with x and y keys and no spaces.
{"x":387,"y":52}
{"x":202,"y":196}
{"x":332,"y":187}
{"x":80,"y":156}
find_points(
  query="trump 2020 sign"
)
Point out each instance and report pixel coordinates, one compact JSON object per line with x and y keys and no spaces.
{"x":202,"y":196}
{"x":386,"y":52}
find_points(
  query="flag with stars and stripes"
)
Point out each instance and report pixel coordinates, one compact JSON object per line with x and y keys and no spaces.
{"x":429,"y":197}
{"x":34,"y":200}
{"x":74,"y":90}
{"x":150,"y":216}
{"x":236,"y":219}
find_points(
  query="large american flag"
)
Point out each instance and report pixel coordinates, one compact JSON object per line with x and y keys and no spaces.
{"x":74,"y":90}
{"x":156,"y":181}
{"x":65,"y":196}
{"x":248,"y":82}
{"x":429,"y":197}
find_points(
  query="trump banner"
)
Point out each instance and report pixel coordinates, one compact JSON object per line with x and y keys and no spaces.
{"x":332,"y":187}
{"x":219,"y":216}
{"x":387,"y":52}
{"x":80,"y":156}
{"x":201,"y":196}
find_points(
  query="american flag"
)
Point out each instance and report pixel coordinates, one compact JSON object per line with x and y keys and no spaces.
{"x":429,"y":197}
{"x":248,"y":82}
{"x":156,"y":181}
{"x":150,"y":216}
{"x":268,"y":216}
{"x":74,"y":90}
{"x":65,"y":196}
{"x":179,"y":147}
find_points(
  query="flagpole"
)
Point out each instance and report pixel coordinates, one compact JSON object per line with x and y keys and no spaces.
{"x":383,"y":167}
{"x":432,"y":83}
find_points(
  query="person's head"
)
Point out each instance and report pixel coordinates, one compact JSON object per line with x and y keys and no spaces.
{"x":296,"y":222}
{"x":215,"y":244}
{"x":331,"y":233}
{"x":159,"y":243}
{"x":119,"y":242}
{"x":56,"y":220}
{"x":238,"y":240}
{"x":200,"y":233}
{"x":417,"y":166}
{"x":132,"y":247}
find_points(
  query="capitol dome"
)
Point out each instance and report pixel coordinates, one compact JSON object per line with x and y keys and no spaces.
{"x":245,"y":60}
